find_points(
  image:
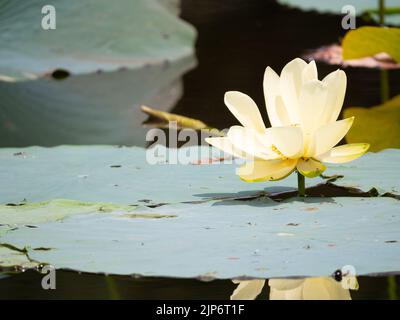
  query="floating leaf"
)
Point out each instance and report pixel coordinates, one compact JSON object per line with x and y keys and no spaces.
{"x":11,"y":257}
{"x":337,"y":232}
{"x":369,"y":41}
{"x":106,"y":112}
{"x":379,"y":126}
{"x":84,"y":85}
{"x":84,"y":173}
{"x":54,"y":210}
{"x":31,"y":215}
{"x":130,"y":34}
{"x":156,"y":215}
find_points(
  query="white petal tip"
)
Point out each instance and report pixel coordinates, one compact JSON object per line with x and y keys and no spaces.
{"x":297,"y":60}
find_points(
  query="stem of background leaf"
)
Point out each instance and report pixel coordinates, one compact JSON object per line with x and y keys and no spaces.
{"x":392,"y":288}
{"x":301,"y":185}
{"x":385,"y":93}
{"x":112,"y":288}
{"x":384,"y":73}
{"x":381,"y":12}
{"x":385,"y":86}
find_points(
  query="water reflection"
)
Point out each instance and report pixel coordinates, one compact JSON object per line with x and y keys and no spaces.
{"x":321,"y":288}
{"x":96,"y":286}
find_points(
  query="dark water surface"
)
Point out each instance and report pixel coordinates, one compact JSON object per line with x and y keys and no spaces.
{"x":72,"y":285}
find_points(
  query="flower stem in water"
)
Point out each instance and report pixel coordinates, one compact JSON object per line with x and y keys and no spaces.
{"x":301,"y":185}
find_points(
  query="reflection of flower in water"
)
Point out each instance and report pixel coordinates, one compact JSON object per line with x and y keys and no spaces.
{"x":323,"y":288}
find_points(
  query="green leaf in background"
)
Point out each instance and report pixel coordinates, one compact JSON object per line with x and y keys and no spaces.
{"x":368,"y":41}
{"x":379,"y":126}
{"x":84,"y":82}
{"x":361,"y":6}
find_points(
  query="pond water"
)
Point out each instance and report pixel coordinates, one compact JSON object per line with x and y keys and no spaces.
{"x":72,"y":285}
{"x":236,"y":41}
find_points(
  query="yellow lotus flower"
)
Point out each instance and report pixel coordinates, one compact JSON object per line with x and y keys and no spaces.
{"x":303,"y":112}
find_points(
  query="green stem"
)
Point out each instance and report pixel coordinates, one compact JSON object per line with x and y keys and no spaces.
{"x":385,"y":86}
{"x":301,"y":184}
{"x":381,"y":12}
{"x":112,"y":288}
{"x":384,"y":73}
{"x":392,"y":288}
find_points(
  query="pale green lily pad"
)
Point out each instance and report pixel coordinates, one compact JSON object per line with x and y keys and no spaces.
{"x":11,"y":258}
{"x":335,"y":7}
{"x":226,"y":239}
{"x":87,"y":109}
{"x":90,"y":35}
{"x":54,"y":210}
{"x":3,"y":229}
{"x":255,"y":238}
{"x":118,"y":58}
{"x":31,"y":215}
{"x":123,"y":175}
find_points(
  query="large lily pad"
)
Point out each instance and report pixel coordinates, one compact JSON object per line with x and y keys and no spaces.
{"x":258,"y":238}
{"x":92,"y":109}
{"x":241,"y":234}
{"x":89,"y":36}
{"x":110,"y":58}
{"x":123,"y":175}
